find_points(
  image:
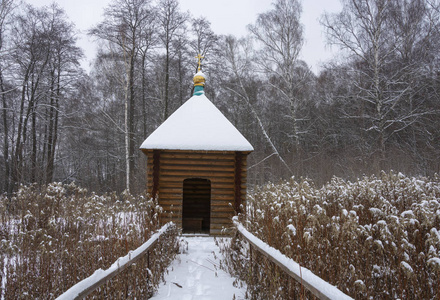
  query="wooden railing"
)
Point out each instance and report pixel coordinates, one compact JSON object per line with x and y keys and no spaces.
{"x":317,"y":286}
{"x":100,"y":277}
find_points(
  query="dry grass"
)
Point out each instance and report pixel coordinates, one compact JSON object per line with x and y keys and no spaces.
{"x":55,"y":236}
{"x":377,"y":238}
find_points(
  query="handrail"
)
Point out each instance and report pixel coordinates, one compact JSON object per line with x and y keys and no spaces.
{"x":99,"y":277}
{"x":317,"y":286}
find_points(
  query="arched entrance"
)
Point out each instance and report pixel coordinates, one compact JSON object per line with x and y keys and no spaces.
{"x":196,"y":206}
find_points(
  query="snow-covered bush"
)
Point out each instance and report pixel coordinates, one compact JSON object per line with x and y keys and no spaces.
{"x":377,"y":238}
{"x":55,"y":236}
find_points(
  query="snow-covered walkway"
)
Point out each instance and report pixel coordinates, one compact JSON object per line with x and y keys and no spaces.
{"x":195,"y":274}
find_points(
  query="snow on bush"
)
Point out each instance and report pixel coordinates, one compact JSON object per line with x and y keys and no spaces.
{"x":377,"y":238}
{"x":55,"y":236}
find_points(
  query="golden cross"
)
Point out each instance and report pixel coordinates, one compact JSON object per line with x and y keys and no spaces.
{"x":199,"y":57}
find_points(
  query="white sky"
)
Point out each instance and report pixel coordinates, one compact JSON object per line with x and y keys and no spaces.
{"x":226,"y":17}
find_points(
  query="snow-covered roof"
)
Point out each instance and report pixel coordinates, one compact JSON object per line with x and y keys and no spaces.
{"x":197,"y":125}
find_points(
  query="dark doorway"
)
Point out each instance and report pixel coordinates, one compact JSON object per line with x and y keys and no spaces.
{"x":196,"y":211}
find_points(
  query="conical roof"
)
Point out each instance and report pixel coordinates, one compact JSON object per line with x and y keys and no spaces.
{"x":197,"y":125}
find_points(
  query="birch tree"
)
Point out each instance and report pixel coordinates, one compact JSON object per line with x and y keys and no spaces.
{"x":124,"y":28}
{"x":279,"y":35}
{"x":239,"y":64}
{"x":379,"y":37}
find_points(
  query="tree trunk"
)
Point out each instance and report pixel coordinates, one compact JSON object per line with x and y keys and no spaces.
{"x":167,"y":79}
{"x":33,"y":177}
{"x":144,"y":100}
{"x":127,"y":140}
{"x":53,"y":127}
{"x":131,"y":123}
{"x":6,"y":132}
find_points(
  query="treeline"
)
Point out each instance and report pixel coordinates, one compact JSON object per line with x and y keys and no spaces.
{"x":374,"y":107}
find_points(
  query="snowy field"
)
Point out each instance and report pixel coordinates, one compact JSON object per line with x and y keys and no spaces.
{"x":195,"y":274}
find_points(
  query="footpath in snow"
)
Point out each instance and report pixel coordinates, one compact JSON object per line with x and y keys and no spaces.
{"x":195,"y":274}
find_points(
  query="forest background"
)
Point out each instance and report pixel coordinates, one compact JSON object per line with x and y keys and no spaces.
{"x":376,"y":106}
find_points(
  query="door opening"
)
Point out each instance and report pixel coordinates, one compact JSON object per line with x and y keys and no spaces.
{"x":196,"y":206}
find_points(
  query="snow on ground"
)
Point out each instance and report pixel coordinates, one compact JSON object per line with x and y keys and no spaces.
{"x":195,"y":274}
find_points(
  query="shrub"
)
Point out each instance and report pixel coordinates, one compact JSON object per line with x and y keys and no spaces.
{"x":376,"y":238}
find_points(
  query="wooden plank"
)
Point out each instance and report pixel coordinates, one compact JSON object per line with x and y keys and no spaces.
{"x":193,"y":172}
{"x":217,"y":220}
{"x":221,"y":208}
{"x":198,"y":153}
{"x":222,"y":214}
{"x":199,"y":162}
{"x":214,"y":184}
{"x":215,"y":198}
{"x":196,"y":173}
{"x":200,"y":159}
{"x":177,"y":168}
{"x":169,"y":202}
{"x":164,"y":180}
{"x":181,"y":176}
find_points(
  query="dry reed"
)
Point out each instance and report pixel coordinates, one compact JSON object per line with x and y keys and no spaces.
{"x":376,"y":238}
{"x":52,"y":237}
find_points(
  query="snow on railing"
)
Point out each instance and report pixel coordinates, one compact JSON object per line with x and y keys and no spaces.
{"x":94,"y":281}
{"x":317,"y":286}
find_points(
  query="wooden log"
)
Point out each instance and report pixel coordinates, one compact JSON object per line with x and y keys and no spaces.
{"x":174,"y":167}
{"x":214,"y":184}
{"x":200,"y":162}
{"x":223,"y":178}
{"x":195,"y":173}
{"x":222,"y":214}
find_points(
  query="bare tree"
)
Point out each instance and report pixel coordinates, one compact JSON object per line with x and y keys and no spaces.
{"x":63,"y":70}
{"x":380,"y":38}
{"x":6,"y":8}
{"x":172,"y":23}
{"x":124,"y":28}
{"x":31,"y":56}
{"x":279,"y":35}
{"x":204,"y":42}
{"x":43,"y":60}
{"x":239,"y":65}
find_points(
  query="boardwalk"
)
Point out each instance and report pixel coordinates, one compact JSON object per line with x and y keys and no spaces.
{"x":195,"y":275}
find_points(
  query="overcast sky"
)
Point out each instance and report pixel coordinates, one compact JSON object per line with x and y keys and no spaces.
{"x":226,"y":17}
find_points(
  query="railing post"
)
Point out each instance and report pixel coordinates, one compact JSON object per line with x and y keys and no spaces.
{"x":251,"y":267}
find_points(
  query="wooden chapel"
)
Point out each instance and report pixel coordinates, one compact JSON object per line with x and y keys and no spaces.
{"x":197,"y":166}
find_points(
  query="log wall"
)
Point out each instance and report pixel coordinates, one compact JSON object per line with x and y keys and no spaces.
{"x":217,"y":166}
